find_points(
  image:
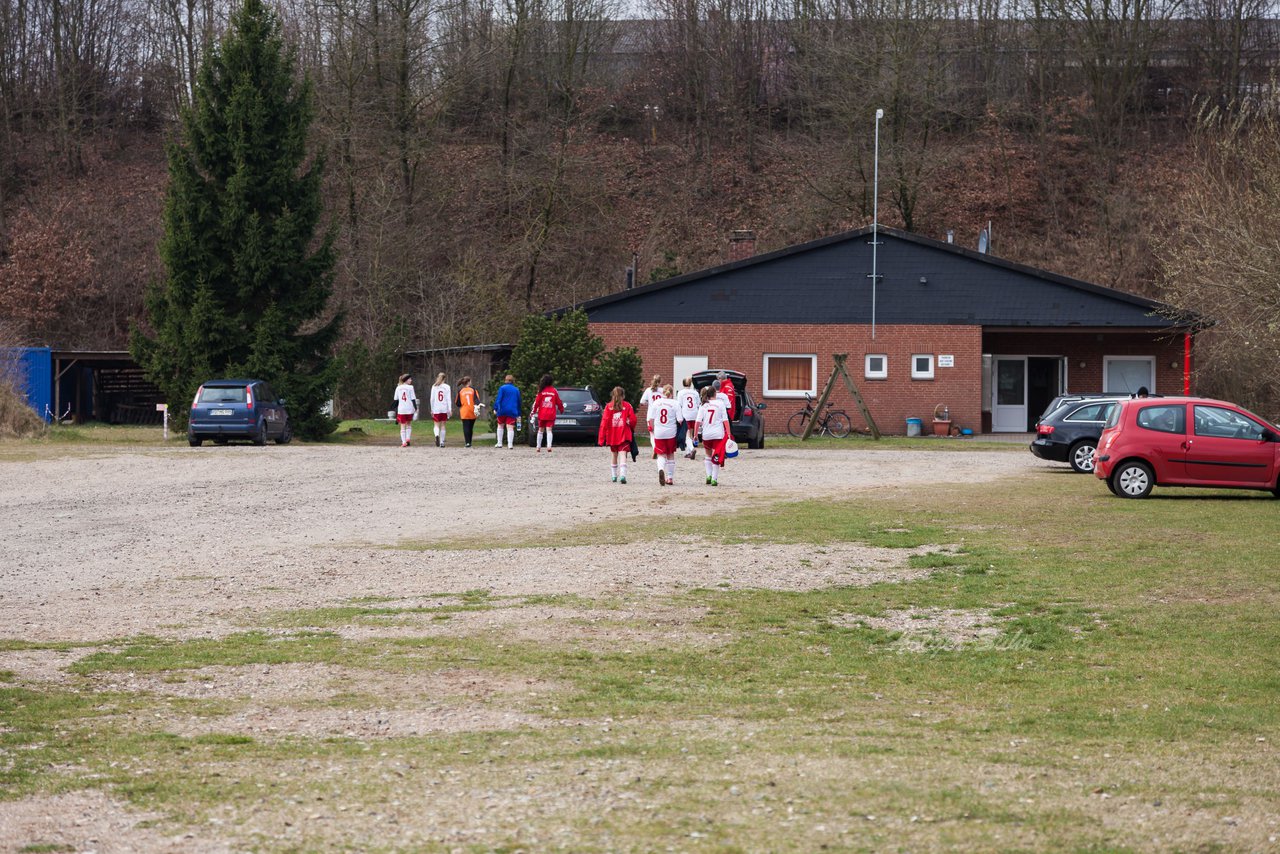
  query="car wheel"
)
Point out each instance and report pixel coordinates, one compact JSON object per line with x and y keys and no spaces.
{"x":1081,"y":456}
{"x":261,"y":437}
{"x":194,"y":441}
{"x":796,"y":424}
{"x":757,"y":442}
{"x":838,"y":425}
{"x":1132,"y":480}
{"x":286,"y":435}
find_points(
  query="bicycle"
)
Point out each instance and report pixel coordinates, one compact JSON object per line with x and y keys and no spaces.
{"x":832,"y":421}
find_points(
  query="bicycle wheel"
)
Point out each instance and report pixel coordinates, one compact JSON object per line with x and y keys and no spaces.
{"x":796,"y":424}
{"x":838,"y":424}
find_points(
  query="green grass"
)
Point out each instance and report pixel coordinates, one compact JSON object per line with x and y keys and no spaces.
{"x":379,"y":431}
{"x":860,"y":442}
{"x":1138,"y":658}
{"x":94,"y":433}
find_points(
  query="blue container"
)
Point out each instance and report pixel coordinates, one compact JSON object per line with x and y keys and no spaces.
{"x":31,"y":369}
{"x":914,"y":426}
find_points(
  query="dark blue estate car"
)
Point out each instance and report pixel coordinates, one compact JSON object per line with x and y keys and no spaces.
{"x":238,"y":409}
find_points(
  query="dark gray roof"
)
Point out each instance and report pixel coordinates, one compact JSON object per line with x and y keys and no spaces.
{"x":828,"y":281}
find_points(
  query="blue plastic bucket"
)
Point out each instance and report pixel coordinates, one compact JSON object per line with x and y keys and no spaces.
{"x":914,"y":426}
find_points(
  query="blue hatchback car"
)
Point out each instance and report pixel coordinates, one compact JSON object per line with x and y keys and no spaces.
{"x":238,"y":409}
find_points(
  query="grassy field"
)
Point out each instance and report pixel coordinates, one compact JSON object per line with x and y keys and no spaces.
{"x":1078,"y":672}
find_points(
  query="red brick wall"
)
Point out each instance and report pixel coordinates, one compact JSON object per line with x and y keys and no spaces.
{"x":891,"y":401}
{"x":1165,"y":348}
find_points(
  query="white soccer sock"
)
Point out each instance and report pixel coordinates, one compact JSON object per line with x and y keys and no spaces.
{"x":548,"y":438}
{"x":511,"y":436}
{"x":706,"y":464}
{"x":622,"y":470}
{"x":441,"y":434}
{"x":613,"y":470}
{"x":671,"y":469}
{"x":539,"y":437}
{"x":662,"y":463}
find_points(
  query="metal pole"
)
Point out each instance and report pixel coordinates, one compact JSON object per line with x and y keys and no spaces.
{"x":875,"y":223}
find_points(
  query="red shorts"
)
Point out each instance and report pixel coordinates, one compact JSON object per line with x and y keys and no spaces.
{"x":503,"y":419}
{"x":662,"y":447}
{"x":715,"y":449}
{"x":546,"y":422}
{"x":404,"y":419}
{"x":624,"y":448}
{"x":439,"y":416}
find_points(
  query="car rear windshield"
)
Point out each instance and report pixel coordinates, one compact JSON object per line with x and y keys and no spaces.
{"x":222,"y":394}
{"x":575,"y":395}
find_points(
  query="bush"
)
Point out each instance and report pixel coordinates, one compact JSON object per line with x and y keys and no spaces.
{"x":619,"y":367}
{"x":366,"y":380}
{"x":17,"y":419}
{"x":564,"y":347}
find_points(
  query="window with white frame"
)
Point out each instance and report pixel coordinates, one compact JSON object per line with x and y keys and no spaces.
{"x":922,"y":366}
{"x":790,"y":374}
{"x":877,"y":367}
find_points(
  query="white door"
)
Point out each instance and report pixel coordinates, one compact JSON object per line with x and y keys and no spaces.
{"x":686,"y":366}
{"x":1009,"y":409}
{"x":1127,"y":374}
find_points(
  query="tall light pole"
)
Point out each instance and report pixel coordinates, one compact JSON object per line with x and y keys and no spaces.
{"x":875,"y":222}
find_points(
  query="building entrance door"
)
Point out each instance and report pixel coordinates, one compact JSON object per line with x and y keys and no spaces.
{"x":1009,"y":391}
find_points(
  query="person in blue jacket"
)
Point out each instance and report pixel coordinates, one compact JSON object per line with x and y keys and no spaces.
{"x":506,"y":406}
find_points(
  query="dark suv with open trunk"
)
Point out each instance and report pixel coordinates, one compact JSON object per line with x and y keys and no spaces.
{"x":748,"y":422}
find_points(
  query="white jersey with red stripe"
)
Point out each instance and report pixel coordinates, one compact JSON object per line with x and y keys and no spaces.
{"x":712,"y":417}
{"x":663,"y":415}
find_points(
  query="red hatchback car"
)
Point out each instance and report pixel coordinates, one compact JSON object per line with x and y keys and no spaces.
{"x":1186,"y":441}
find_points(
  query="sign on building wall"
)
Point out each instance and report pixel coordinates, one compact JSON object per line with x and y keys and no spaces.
{"x":946,"y":361}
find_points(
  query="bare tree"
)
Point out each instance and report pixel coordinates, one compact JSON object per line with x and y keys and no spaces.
{"x":1222,"y":259}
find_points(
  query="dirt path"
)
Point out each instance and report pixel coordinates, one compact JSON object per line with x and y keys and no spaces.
{"x":123,"y":541}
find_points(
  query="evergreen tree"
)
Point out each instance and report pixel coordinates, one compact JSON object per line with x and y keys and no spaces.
{"x":247,"y":279}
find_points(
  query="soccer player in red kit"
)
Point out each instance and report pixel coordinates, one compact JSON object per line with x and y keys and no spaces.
{"x":547,"y":404}
{"x":662,"y":419}
{"x":616,"y":423}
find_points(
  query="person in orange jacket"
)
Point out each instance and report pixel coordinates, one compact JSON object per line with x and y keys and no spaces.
{"x":468,"y":402}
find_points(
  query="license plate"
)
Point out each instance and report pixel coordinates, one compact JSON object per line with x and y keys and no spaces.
{"x":561,"y":422}
{"x":221,"y":412}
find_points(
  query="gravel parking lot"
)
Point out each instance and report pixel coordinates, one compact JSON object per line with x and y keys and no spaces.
{"x":107,"y":542}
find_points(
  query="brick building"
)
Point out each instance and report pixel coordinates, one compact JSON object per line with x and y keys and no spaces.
{"x":990,"y":340}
